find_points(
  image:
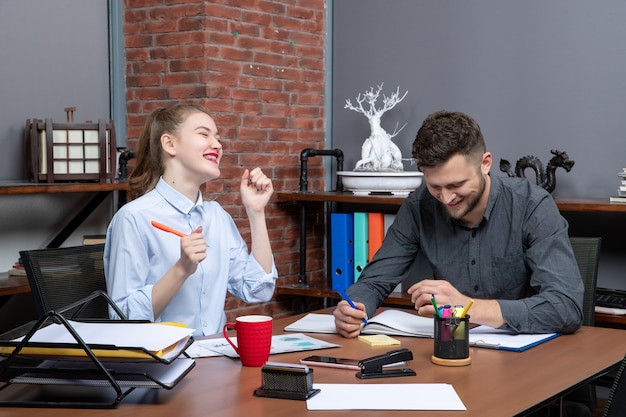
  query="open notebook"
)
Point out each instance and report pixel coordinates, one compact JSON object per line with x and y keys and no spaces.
{"x":402,"y":323}
{"x":390,"y":322}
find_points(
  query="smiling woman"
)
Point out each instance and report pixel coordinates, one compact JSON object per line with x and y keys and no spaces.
{"x":183,"y":276}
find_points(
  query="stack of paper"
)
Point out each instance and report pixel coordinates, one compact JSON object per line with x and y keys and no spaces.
{"x":115,"y":339}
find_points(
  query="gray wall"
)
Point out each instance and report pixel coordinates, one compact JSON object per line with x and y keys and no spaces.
{"x":536,"y":75}
{"x":54,"y":55}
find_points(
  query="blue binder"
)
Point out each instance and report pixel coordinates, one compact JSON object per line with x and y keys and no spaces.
{"x":342,"y":250}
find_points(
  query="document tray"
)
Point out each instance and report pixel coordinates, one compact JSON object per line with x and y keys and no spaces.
{"x":107,"y":379}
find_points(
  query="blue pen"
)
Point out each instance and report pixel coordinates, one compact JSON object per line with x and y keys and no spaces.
{"x":345,"y":297}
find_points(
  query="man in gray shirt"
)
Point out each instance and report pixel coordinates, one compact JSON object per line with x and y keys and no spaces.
{"x":498,"y":241}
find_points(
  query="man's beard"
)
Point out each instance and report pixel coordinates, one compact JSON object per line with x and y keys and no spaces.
{"x":472,"y":201}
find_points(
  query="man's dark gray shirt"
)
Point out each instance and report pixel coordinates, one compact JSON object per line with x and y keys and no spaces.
{"x":519,"y":254}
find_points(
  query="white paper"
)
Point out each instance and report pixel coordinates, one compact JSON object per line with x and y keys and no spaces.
{"x":390,"y":322}
{"x":385,"y":397}
{"x":151,"y":336}
{"x":295,"y":342}
{"x":313,"y":323}
{"x":484,"y":336}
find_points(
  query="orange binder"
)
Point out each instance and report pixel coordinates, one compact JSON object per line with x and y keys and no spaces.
{"x":376,"y":233}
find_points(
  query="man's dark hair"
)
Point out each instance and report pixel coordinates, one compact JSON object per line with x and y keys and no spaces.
{"x":445,"y":134}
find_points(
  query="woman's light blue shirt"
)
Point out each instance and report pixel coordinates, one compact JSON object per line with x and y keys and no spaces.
{"x":137,"y":255}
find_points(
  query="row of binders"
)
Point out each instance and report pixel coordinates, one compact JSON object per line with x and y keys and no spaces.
{"x":355,"y":238}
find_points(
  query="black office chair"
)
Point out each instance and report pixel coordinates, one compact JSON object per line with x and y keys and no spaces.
{"x":59,"y":277}
{"x":616,"y":402}
{"x":587,"y":253}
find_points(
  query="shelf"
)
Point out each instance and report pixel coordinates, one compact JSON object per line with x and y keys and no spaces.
{"x":564,"y":204}
{"x":12,"y":284}
{"x":401,"y":299}
{"x":339,"y":197}
{"x":100,"y":191}
{"x":589,"y":205}
{"x":47,"y":188}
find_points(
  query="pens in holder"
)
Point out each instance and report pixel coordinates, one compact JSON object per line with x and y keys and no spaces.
{"x":168,"y":229}
{"x":467,"y":307}
{"x":432,"y":300}
{"x":343,"y":295}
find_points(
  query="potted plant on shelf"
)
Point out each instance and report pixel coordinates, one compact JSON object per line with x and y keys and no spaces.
{"x":380,"y":168}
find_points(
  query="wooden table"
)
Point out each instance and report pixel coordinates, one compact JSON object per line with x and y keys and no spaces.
{"x":496,"y":384}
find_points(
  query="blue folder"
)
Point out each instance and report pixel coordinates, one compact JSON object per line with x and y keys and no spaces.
{"x":342,"y":250}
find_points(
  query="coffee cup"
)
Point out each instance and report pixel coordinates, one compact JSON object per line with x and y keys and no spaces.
{"x":254,"y":338}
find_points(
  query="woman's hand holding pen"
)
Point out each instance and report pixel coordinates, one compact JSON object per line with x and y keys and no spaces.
{"x":192,"y":251}
{"x":348,"y":320}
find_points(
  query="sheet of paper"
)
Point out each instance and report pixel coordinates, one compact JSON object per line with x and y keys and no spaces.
{"x":385,"y":397}
{"x":484,"y":336}
{"x":151,"y":336}
{"x":293,"y":342}
{"x":314,"y":323}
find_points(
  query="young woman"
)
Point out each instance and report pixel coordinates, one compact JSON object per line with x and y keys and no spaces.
{"x":183,"y":275}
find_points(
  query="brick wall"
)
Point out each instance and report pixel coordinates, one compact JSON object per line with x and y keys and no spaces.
{"x":258,"y":67}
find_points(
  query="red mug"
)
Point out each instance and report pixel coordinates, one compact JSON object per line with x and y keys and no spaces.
{"x":254,"y":338}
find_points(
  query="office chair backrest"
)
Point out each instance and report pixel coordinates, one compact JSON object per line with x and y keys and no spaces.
{"x":587,"y":252}
{"x":59,"y":277}
{"x":616,"y":402}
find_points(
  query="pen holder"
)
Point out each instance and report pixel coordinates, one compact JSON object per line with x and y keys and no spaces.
{"x":451,"y":341}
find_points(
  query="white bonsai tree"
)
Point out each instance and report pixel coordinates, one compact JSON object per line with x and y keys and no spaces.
{"x":378,"y":152}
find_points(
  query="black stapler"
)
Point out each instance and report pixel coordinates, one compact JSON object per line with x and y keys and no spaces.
{"x":373,"y":367}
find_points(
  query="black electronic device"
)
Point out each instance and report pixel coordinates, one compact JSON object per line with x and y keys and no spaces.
{"x":611,"y":298}
{"x":331,"y":362}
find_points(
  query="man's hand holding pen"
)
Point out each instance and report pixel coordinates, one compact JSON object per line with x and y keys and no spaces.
{"x":349,"y":320}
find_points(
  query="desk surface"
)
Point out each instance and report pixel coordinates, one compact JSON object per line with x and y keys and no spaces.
{"x":497,"y":383}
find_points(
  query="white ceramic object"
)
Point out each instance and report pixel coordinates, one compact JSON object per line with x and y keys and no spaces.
{"x":396,"y":183}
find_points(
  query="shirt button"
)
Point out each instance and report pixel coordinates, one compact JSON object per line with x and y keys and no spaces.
{"x":204,"y":324}
{"x":473,"y":262}
{"x":476,"y":287}
{"x":473,"y":233}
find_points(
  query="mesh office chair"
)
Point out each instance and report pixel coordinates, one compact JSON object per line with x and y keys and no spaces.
{"x":59,"y":277}
{"x":587,"y":253}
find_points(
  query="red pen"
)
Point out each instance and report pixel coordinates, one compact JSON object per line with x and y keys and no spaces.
{"x":167,"y":229}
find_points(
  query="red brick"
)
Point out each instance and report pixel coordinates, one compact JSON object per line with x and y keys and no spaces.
{"x":265,"y":88}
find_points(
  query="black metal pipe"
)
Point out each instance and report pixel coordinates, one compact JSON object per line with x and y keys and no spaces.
{"x":304,"y":183}
{"x":123,"y":164}
{"x":308,"y":152}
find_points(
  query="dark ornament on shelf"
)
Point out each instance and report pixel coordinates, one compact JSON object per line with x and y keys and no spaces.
{"x":545,"y":178}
